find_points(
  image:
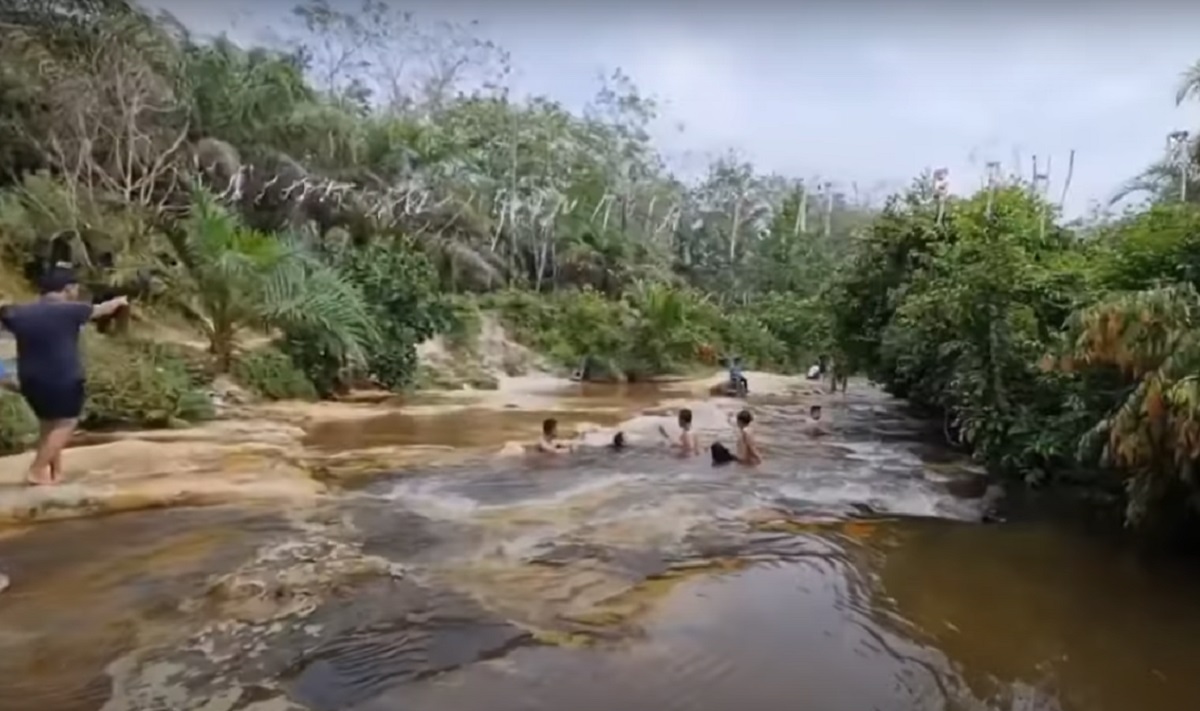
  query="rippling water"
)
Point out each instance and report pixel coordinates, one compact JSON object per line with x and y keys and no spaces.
{"x":845,"y":573}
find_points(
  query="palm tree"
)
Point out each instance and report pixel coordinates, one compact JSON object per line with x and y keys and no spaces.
{"x":230,"y":277}
{"x":1153,"y":435}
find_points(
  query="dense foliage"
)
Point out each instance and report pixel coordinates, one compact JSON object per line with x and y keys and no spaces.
{"x":336,"y":194}
{"x":1053,"y":356}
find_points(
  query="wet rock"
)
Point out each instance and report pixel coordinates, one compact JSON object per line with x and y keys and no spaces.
{"x":353,"y":465}
{"x":289,"y":580}
{"x":638,"y":564}
{"x":260,"y":624}
{"x":174,"y":468}
{"x":394,"y":633}
{"x":397,"y":534}
{"x":967,"y":487}
{"x":351,"y":646}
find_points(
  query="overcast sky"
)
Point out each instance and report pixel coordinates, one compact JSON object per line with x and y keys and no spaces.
{"x":862,"y":91}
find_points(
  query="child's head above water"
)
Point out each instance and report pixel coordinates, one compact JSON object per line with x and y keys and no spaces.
{"x":550,"y":427}
{"x":744,"y":418}
{"x":815,"y":412}
{"x":685,"y":418}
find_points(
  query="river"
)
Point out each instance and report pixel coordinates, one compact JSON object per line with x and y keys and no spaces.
{"x":848,"y":572}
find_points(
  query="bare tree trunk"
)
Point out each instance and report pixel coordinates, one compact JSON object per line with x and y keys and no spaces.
{"x":828,"y":209}
{"x":1067,"y":183}
{"x":734,"y":227}
{"x":802,"y":217}
{"x":800,"y":205}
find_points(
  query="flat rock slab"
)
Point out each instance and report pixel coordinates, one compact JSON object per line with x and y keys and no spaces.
{"x":135,"y":474}
{"x":365,"y":639}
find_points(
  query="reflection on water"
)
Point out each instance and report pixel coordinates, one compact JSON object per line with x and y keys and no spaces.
{"x":845,"y":573}
{"x":901,"y":616}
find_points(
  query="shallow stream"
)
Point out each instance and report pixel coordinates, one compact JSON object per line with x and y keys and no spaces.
{"x":848,"y":572}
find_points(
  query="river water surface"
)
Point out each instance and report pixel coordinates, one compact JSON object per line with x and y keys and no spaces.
{"x":849,"y":572}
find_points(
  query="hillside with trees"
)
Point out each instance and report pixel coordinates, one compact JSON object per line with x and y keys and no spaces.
{"x":379,"y":183}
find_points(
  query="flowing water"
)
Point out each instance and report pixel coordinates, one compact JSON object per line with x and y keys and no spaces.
{"x":848,"y":572}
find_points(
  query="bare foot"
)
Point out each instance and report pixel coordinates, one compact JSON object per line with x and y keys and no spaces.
{"x":34,"y":480}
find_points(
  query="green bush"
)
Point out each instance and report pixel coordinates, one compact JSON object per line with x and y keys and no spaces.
{"x":399,"y":285}
{"x":567,"y":326}
{"x":200,"y":366}
{"x":659,"y":328}
{"x":271,"y":374}
{"x":797,"y":332}
{"x":132,"y":383}
{"x":463,"y":323}
{"x":18,"y":427}
{"x":744,"y":334}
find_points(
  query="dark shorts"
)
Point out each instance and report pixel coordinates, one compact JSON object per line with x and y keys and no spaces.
{"x":54,"y":400}
{"x":721,"y":454}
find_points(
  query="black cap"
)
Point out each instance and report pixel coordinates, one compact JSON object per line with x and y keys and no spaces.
{"x":56,"y":280}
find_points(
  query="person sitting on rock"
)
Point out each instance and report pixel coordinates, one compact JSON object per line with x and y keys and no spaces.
{"x":747,"y":447}
{"x":738,"y":384}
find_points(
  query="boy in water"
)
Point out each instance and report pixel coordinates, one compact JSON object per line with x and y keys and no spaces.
{"x":747,"y":447}
{"x":686,"y":444}
{"x":816,"y":428}
{"x":549,"y":442}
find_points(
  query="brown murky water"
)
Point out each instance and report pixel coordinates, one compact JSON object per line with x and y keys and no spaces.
{"x":843,"y":574}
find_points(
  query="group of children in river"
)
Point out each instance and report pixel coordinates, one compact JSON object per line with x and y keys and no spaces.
{"x":746,"y":450}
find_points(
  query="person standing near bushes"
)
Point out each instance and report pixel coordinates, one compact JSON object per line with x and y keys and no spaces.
{"x":50,"y":371}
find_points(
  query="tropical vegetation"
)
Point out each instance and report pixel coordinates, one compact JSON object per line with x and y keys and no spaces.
{"x":314,"y":210}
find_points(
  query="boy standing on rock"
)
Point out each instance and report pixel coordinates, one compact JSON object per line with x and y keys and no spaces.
{"x":48,"y":363}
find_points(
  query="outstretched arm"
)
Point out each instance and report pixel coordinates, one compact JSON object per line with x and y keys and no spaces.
{"x":108,"y":308}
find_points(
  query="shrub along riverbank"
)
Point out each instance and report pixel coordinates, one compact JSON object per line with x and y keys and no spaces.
{"x":1057,"y":356}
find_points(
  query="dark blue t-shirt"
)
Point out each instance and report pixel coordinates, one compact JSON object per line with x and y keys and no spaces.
{"x":47,"y":334}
